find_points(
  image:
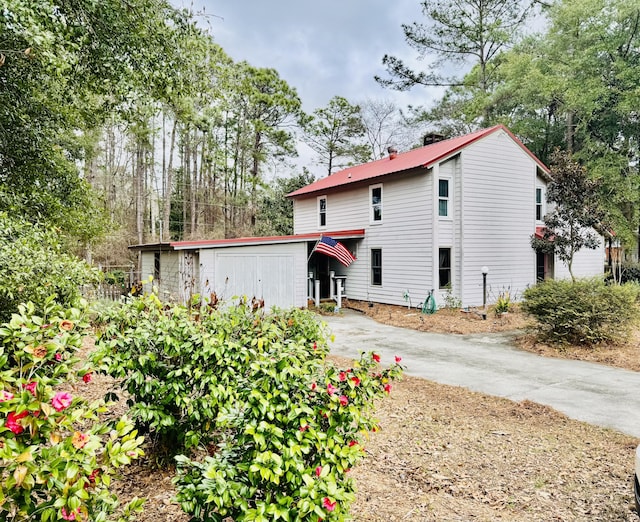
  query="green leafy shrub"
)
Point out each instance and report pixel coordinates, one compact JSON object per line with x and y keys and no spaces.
{"x":586,"y":311}
{"x":34,"y":267}
{"x":279,"y":425}
{"x":288,"y":441}
{"x":503,"y":303}
{"x":630,"y":272}
{"x":56,"y":457}
{"x":180,"y":364}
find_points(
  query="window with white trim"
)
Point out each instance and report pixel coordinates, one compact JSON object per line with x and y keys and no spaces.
{"x":322,"y":211}
{"x":444,"y":268}
{"x":376,"y":266}
{"x":539,"y":203}
{"x":443,"y":197}
{"x":375,"y":193}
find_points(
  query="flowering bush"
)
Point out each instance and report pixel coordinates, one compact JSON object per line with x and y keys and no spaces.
{"x":180,"y":364}
{"x":281,"y":425}
{"x":57,"y":458}
{"x":288,"y":441}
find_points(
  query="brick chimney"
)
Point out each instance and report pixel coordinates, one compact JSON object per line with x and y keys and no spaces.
{"x":432,"y":137}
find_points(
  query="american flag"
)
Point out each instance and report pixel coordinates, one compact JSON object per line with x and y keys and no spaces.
{"x":332,"y":248}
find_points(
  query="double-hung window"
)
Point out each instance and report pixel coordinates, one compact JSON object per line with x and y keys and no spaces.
{"x":375,"y":192}
{"x":444,"y":268}
{"x":376,"y":266}
{"x":322,"y":211}
{"x":539,"y":204}
{"x":443,"y":197}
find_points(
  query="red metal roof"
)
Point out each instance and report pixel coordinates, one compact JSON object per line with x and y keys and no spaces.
{"x":421,"y":157}
{"x":267,"y":240}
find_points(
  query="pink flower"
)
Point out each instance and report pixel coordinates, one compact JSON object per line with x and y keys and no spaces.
{"x":376,"y":357}
{"x":58,"y":357}
{"x":31,"y":387}
{"x":355,"y":381}
{"x":304,"y":428}
{"x":398,"y":359}
{"x":318,"y":471}
{"x":343,"y":400}
{"x":331,"y":389}
{"x":352,"y":443}
{"x":342,"y":376}
{"x":12,"y":421}
{"x":313,"y":386}
{"x":327,"y":504}
{"x":79,"y":439}
{"x":71,"y":515}
{"x":387,"y":388}
{"x":315,"y":346}
{"x":86,"y":377}
{"x":6,"y":396}
{"x":61,"y":400}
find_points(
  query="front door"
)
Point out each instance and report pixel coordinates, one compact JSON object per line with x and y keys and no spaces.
{"x":544,"y":266}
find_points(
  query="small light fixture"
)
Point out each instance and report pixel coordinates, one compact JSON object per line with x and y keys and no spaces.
{"x":485,"y":271}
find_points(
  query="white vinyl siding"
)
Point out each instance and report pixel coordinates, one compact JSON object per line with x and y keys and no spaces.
{"x":586,"y":263}
{"x":405,"y":237}
{"x":499,"y":217}
{"x":275,"y":273}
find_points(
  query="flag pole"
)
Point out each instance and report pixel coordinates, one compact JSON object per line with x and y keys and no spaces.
{"x":313,"y":249}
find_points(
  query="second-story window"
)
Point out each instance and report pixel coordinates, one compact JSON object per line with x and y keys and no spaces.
{"x":539,"y":204}
{"x":443,"y":197}
{"x":376,"y":203}
{"x":322,"y":211}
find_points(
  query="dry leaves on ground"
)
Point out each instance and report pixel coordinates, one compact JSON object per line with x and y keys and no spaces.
{"x":461,"y":322}
{"x":447,"y":454}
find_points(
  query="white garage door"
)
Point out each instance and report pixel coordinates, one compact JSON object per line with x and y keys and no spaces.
{"x":265,"y":276}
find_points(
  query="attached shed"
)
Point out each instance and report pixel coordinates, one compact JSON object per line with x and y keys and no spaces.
{"x":273,"y":271}
{"x":281,"y":270}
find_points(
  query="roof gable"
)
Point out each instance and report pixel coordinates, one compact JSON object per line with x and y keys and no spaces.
{"x":423,"y":157}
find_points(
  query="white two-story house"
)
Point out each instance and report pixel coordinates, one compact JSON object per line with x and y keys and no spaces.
{"x":427,"y":219}
{"x":434,"y":217}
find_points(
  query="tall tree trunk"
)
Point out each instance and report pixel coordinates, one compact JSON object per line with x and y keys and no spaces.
{"x":168,"y":186}
{"x":139,"y":190}
{"x":186,"y":179}
{"x":255,"y":172}
{"x":194,"y":185}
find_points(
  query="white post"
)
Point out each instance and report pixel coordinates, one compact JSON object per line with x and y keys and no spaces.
{"x":332,"y":280}
{"x":339,"y":294}
{"x":316,"y":295}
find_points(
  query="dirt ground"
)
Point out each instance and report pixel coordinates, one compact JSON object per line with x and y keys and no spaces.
{"x":447,"y":454}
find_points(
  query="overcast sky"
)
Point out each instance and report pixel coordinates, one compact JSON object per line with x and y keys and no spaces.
{"x":322,"y":48}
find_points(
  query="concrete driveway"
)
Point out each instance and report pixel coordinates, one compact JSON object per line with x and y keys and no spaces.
{"x":490,"y":364}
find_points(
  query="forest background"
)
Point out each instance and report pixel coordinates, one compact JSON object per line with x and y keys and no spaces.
{"x":124,"y":122}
